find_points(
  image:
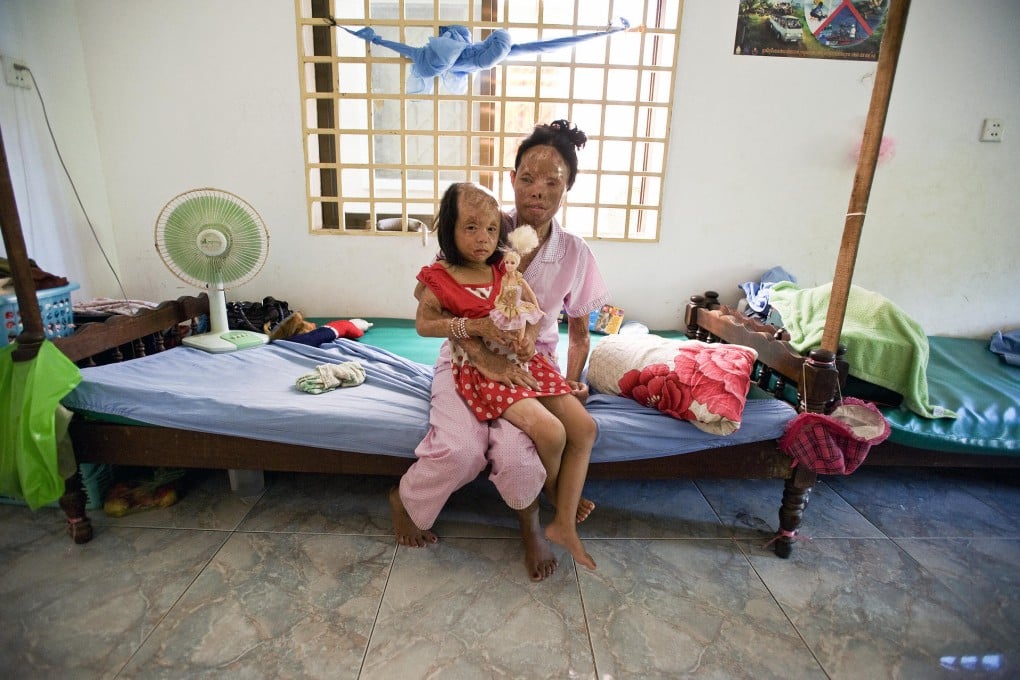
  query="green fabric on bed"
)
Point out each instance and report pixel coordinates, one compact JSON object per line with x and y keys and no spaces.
{"x":983,"y":388}
{"x":398,"y":336}
{"x":884,"y":345}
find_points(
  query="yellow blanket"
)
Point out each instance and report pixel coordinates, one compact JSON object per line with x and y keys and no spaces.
{"x":884,"y":345}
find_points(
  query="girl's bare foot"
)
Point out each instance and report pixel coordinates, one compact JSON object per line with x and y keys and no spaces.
{"x":538,"y":557}
{"x":404,"y":528}
{"x":584,"y":508}
{"x":568,"y":538}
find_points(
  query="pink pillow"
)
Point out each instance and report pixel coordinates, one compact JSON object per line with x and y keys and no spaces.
{"x":707,"y":384}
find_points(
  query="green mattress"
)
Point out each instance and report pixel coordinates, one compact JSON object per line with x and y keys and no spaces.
{"x":984,"y":391}
{"x":398,"y":336}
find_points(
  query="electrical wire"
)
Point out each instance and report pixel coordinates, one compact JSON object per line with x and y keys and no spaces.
{"x":81,"y":205}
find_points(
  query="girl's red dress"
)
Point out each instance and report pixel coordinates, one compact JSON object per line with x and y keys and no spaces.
{"x":487,"y":399}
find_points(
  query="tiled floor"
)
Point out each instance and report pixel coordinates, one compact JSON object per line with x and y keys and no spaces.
{"x":909,"y":574}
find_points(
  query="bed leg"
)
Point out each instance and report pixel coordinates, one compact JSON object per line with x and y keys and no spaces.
{"x":79,"y":527}
{"x":796,"y":494}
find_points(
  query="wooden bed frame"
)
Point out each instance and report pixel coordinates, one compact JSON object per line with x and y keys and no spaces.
{"x":120,"y":336}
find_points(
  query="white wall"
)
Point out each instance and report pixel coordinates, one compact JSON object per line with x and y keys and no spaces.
{"x":149,"y":99}
{"x":45,"y":36}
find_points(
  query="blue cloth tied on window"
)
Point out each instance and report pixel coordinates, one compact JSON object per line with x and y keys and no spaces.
{"x":453,"y":56}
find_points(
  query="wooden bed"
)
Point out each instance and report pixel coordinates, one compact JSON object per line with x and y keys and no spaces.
{"x":126,"y":444}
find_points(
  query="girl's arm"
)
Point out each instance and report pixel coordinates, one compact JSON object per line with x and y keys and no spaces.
{"x":433,"y":321}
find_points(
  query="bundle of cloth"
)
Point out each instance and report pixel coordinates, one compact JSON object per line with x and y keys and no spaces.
{"x":885,"y":346}
{"x":296,"y":328}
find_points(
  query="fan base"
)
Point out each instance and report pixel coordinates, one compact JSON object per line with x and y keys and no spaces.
{"x":229,"y":341}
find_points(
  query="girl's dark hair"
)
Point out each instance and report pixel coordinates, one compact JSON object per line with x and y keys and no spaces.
{"x":445,"y":224}
{"x":560,"y":135}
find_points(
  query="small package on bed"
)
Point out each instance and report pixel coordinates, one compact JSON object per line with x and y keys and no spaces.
{"x":606,"y":320}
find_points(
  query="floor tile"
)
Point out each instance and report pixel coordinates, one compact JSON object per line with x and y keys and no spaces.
{"x":867,"y":609}
{"x":661,"y":508}
{"x":464,"y":608}
{"x":273,"y":606}
{"x":311,"y":503}
{"x":689,"y":608}
{"x":81,"y":611}
{"x":920,"y":502}
{"x":750,"y":508}
{"x":982,"y":572}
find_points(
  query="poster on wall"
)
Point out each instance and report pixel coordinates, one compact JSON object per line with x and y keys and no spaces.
{"x":814,"y":29}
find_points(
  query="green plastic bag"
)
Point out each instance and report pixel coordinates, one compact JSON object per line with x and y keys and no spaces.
{"x":30,"y":392}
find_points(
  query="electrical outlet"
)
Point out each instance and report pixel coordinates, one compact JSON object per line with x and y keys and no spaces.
{"x":16,"y":72}
{"x":991,"y":131}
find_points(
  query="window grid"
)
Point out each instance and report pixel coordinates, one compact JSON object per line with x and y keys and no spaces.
{"x":372,"y":169}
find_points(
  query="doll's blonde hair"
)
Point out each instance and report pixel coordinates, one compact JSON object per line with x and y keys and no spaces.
{"x":523,"y":239}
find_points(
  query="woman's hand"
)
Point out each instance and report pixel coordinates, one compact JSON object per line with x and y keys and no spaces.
{"x":579,"y":390}
{"x":498,"y":368}
{"x":524,"y":347}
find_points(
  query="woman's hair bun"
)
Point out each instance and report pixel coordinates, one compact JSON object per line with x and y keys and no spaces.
{"x":571,"y":132}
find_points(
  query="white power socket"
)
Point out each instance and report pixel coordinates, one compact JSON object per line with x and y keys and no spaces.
{"x":991,"y":131}
{"x":16,"y":72}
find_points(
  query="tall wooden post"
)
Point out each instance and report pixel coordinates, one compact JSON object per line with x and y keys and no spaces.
{"x":888,"y":56}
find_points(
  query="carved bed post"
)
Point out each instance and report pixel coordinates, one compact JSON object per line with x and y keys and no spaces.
{"x":694,"y":331}
{"x":79,"y":526}
{"x":33,"y":333}
{"x":819,"y":391}
{"x":796,"y":494}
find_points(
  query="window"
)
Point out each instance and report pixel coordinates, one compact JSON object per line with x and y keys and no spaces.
{"x":379,"y":155}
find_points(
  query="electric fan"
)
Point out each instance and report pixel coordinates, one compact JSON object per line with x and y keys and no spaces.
{"x":213,"y":239}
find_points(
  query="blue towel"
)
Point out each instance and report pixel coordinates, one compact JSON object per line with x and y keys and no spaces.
{"x":757,"y":294}
{"x":1007,"y":345}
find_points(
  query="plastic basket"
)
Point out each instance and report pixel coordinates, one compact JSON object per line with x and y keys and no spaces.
{"x":54,"y":305}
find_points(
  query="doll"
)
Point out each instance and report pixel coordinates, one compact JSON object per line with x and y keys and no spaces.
{"x":516,"y":305}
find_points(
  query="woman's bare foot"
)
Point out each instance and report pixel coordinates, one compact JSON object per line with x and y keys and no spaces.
{"x":568,"y":538}
{"x":404,"y":528}
{"x":584,"y":508}
{"x":538,"y":556}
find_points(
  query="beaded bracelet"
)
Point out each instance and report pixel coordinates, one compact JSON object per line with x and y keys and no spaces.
{"x":458,"y":328}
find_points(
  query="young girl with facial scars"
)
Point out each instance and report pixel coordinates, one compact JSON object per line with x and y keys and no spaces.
{"x":468,"y":283}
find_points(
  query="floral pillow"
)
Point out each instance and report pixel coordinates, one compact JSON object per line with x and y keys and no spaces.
{"x":705,"y":383}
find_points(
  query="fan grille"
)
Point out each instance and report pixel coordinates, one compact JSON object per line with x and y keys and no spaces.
{"x":210,"y":236}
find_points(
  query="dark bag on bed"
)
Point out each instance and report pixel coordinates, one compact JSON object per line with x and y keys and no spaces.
{"x":260,"y":317}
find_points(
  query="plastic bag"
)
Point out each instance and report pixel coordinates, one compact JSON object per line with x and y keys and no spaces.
{"x":260,"y":317}
{"x":30,"y":392}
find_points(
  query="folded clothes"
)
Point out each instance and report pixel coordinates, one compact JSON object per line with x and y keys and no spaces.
{"x":328,"y":377}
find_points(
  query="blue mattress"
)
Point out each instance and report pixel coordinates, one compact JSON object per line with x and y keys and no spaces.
{"x":252,"y":393}
{"x":984,"y":391}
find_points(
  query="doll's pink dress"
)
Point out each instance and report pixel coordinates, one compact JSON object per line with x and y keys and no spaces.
{"x":510,"y":312}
